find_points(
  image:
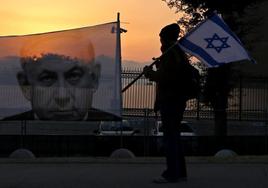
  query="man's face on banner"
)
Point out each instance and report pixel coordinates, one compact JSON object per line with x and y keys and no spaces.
{"x":60,"y":89}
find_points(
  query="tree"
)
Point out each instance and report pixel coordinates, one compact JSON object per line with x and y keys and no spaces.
{"x":219,"y":80}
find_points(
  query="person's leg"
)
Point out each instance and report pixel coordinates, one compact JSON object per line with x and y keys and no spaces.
{"x":172,"y":155}
{"x":181,"y":158}
{"x":181,"y":161}
{"x":171,"y":116}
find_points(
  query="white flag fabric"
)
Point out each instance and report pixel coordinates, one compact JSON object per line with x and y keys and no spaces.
{"x":63,"y":75}
{"x":213,"y":43}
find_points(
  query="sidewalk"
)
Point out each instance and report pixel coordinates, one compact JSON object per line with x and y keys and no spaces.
{"x":207,"y":172}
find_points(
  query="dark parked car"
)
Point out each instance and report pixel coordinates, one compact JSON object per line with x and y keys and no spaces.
{"x":186,"y":129}
{"x":115,"y":128}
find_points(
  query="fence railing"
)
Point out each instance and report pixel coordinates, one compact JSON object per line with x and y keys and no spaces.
{"x":248,"y":100}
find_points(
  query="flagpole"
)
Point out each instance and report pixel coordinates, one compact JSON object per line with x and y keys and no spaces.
{"x":151,"y":65}
{"x":118,"y":59}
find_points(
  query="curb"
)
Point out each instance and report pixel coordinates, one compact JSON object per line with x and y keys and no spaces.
{"x":137,"y":160}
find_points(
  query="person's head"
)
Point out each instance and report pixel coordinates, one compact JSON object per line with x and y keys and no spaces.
{"x":58,"y":86}
{"x":169,"y":34}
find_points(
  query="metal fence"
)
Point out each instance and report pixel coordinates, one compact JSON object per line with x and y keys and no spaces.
{"x":248,"y":100}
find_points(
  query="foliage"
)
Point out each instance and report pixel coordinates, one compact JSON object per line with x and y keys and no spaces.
{"x":194,"y":11}
{"x":219,"y":81}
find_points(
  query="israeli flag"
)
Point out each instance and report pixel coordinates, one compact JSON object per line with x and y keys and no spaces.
{"x":213,"y":43}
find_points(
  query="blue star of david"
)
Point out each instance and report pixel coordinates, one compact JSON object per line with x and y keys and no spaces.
{"x":217,"y":43}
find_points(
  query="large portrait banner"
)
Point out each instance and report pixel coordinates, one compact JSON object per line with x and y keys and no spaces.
{"x":65,"y":75}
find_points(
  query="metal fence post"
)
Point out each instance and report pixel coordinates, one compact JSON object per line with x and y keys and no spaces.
{"x":145,"y":138}
{"x":240,"y":97}
{"x":198,"y":108}
{"x":23,"y":133}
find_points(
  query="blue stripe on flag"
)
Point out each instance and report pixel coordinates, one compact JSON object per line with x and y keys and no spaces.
{"x":199,"y":52}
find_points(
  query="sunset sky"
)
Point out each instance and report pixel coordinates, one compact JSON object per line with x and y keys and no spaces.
{"x":142,"y":19}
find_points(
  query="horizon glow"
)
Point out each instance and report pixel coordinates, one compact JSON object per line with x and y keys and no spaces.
{"x":142,"y":19}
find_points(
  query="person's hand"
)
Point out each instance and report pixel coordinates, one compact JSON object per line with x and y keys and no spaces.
{"x":147,"y":71}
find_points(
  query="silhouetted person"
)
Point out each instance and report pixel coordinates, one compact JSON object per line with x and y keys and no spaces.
{"x":170,"y":77}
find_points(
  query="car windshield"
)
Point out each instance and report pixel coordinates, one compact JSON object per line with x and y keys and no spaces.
{"x":186,"y":128}
{"x":115,"y":126}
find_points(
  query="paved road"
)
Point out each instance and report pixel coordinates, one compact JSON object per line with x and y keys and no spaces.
{"x":137,"y":174}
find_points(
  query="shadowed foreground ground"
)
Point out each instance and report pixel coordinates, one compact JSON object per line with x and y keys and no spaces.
{"x":237,"y":172}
